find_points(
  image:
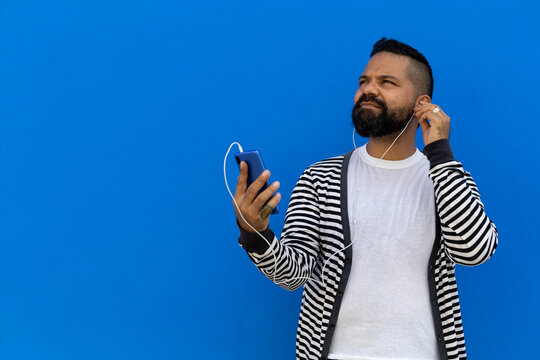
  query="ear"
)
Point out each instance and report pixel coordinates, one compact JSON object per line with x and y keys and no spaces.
{"x":424,"y":97}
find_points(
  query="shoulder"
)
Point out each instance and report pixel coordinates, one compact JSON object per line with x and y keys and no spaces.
{"x":327,"y":168}
{"x":335,"y":162}
{"x":329,"y":162}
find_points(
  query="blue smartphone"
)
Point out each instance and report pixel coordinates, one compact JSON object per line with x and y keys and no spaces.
{"x":255,"y":168}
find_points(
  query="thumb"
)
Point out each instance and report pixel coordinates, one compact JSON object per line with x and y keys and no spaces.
{"x":424,"y":124}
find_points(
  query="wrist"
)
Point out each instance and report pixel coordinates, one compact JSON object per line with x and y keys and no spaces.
{"x":438,"y":152}
{"x":253,"y":242}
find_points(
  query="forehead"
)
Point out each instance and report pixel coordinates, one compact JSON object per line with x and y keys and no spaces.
{"x":385,"y":63}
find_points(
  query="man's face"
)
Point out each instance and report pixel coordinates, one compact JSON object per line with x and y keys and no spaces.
{"x":384,"y":101}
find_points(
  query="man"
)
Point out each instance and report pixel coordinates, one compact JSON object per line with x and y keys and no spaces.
{"x":374,"y":235}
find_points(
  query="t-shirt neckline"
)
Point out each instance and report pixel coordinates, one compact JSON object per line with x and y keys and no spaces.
{"x":389,"y":164}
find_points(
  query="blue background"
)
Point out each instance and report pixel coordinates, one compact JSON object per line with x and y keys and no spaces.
{"x":118,"y":235}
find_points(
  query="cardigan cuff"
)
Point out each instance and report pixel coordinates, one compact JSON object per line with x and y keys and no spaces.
{"x":438,"y":152}
{"x":252,"y":242}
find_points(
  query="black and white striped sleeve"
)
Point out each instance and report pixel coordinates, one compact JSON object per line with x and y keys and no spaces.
{"x":470,"y":237}
{"x":294,"y":257}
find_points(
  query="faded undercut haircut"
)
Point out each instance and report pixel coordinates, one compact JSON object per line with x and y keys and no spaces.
{"x":418,"y":71}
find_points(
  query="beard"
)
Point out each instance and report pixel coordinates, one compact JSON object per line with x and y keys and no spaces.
{"x":379,"y":122}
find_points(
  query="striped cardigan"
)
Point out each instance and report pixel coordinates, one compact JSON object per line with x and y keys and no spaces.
{"x":317,"y":226}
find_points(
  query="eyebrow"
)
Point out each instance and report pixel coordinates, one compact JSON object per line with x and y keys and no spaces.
{"x":381,"y":77}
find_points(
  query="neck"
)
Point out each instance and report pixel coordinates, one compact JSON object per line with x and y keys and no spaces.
{"x":403,"y":148}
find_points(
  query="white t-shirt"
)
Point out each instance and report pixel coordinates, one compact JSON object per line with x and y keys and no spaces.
{"x":385,"y":312}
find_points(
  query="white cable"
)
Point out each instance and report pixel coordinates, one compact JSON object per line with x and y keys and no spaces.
{"x":392,"y":144}
{"x":270,"y":245}
{"x":354,"y":206}
{"x":242,"y":216}
{"x":238,"y":207}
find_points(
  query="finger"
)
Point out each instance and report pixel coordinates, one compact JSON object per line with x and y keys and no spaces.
{"x":424,"y":124}
{"x":426,"y":108}
{"x":444,"y":115}
{"x":426,"y":113}
{"x":242,"y":180}
{"x":269,"y":207}
{"x":265,"y":212}
{"x":424,"y":103}
{"x":430,"y":108}
{"x":438,"y":111}
{"x":263,"y":197}
{"x":274,"y":201}
{"x":419,"y":106}
{"x":438,"y":126}
{"x":428,"y":116}
{"x":427,"y":121}
{"x":254,"y":188}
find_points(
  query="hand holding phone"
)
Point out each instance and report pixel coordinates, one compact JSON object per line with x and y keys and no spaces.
{"x":254,"y":192}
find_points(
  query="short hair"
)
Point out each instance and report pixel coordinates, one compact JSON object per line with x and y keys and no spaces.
{"x":418,"y":71}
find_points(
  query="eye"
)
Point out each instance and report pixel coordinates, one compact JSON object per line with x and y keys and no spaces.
{"x":388,"y":82}
{"x":362,"y":82}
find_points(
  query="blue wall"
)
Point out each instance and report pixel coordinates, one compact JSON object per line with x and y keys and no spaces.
{"x":118,"y":236}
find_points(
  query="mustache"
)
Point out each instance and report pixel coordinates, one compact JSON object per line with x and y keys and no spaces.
{"x":370,"y":98}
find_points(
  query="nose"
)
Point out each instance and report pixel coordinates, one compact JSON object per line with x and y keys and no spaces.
{"x":370,"y":89}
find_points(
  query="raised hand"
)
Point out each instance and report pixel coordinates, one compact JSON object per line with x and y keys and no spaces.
{"x":434,"y":122}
